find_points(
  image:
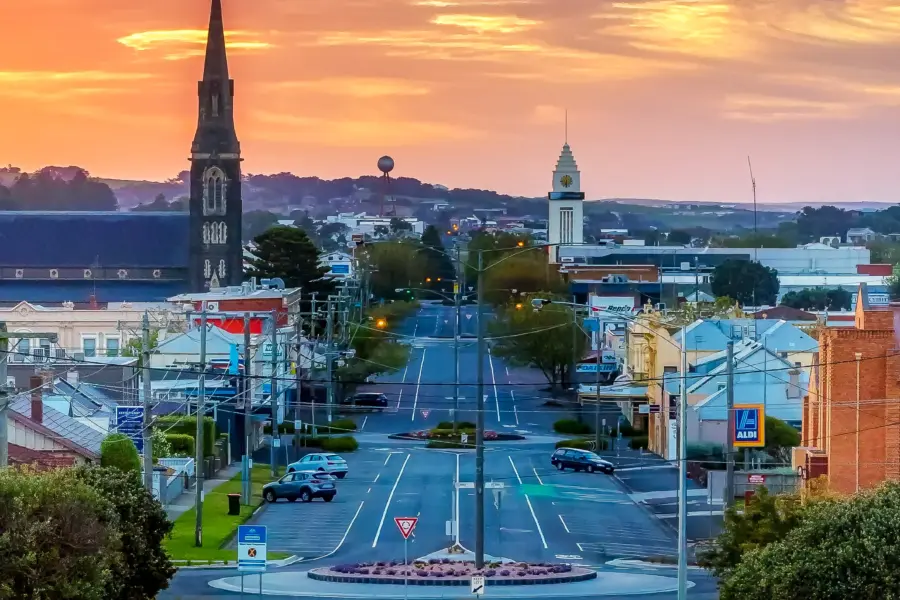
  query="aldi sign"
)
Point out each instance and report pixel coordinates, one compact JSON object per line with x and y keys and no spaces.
{"x":749,"y":426}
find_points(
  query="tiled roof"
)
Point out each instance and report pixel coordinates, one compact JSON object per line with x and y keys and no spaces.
{"x":40,"y":458}
{"x":61,"y":425}
{"x":79,"y":239}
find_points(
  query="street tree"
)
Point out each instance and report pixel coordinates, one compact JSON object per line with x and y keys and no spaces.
{"x":289,"y":254}
{"x":748,"y":282}
{"x":398,"y":225}
{"x":818,"y":299}
{"x":256,"y":222}
{"x":393,"y":265}
{"x":58,"y":537}
{"x":780,"y":439}
{"x":144,"y":568}
{"x":679,"y":237}
{"x":439,"y":266}
{"x":527,"y":274}
{"x":118,"y":451}
{"x":549,"y":339}
{"x":836,"y":549}
{"x":135,"y":347}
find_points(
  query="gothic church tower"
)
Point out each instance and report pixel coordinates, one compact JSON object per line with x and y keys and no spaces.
{"x":216,"y":252}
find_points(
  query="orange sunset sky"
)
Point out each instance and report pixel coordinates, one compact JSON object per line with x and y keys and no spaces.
{"x":666,"y":98}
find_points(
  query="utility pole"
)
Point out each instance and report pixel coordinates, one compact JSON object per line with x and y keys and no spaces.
{"x":248,"y":412}
{"x":198,"y":436}
{"x":329,"y":359}
{"x":298,"y":378}
{"x":456,"y":330}
{"x":682,"y":472}
{"x":729,"y":447}
{"x":145,"y":375}
{"x":4,"y":398}
{"x":312,"y":360}
{"x":479,"y":421}
{"x":273,"y":395}
{"x":597,"y":395}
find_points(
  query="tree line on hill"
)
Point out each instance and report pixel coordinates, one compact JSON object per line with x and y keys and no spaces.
{"x":58,"y":189}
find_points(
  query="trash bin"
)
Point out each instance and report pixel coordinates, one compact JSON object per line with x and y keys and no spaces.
{"x":234,"y":504}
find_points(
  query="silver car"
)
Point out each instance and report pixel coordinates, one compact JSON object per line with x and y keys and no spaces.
{"x":305,"y":485}
{"x":325,"y":462}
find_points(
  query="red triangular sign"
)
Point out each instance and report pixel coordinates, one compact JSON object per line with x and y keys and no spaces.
{"x":406,"y":525}
{"x":425,"y":413}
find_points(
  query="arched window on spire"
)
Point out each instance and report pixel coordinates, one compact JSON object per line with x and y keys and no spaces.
{"x":214,"y":183}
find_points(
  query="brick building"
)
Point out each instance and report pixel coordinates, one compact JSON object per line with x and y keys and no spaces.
{"x":851,"y":417}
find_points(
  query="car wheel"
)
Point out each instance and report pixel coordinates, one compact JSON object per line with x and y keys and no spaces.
{"x":560,"y":466}
{"x":609,"y":471}
{"x":320,"y":470}
{"x":270,"y":496}
{"x":327,"y":498}
{"x":340,"y":475}
{"x":305,"y":496}
{"x":590,"y":469}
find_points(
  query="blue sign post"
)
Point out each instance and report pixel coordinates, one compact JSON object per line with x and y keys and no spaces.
{"x":130,"y":421}
{"x":252,"y":548}
{"x":749,"y":426}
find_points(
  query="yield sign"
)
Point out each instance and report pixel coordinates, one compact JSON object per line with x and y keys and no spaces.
{"x":425,"y":413}
{"x":468,"y":316}
{"x":406,"y":525}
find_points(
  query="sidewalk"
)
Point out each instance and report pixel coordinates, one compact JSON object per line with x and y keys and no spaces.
{"x":185,"y":501}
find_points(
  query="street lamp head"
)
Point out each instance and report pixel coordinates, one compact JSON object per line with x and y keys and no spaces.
{"x":519,"y":306}
{"x":381,"y":323}
{"x":520,"y":244}
{"x":428,"y":280}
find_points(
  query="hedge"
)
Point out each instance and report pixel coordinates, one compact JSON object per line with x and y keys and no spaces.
{"x":339,"y":426}
{"x":446,"y":444}
{"x":188,"y":426}
{"x":572,"y":427}
{"x":345,"y":443}
{"x":181,"y":443}
{"x":583,"y":444}
{"x":638,"y":442}
{"x":461,"y":425}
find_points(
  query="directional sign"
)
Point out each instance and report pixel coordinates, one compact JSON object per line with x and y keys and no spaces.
{"x":252,"y":548}
{"x":749,"y":426}
{"x":464,"y":438}
{"x":425,"y":413}
{"x":130,"y":421}
{"x":477,"y":585}
{"x":406,"y":525}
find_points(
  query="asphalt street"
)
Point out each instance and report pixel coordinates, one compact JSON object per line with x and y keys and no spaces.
{"x":532,"y":511}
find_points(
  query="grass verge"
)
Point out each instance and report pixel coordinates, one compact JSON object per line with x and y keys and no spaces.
{"x":218,"y":526}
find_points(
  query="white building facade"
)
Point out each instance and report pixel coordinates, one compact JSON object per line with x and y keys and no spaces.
{"x":566,"y":222}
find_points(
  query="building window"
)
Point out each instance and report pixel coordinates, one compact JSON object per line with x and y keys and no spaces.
{"x":112,"y":346}
{"x":89,"y":345}
{"x":214,"y":191}
{"x":207,"y":269}
{"x":22,"y":351}
{"x":42,"y":352}
{"x":215,"y":233}
{"x":222,"y":269}
{"x":566,"y":225}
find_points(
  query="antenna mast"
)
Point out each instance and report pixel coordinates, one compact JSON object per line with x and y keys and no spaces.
{"x":753,"y":184}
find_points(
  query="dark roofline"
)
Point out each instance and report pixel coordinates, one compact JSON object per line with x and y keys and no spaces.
{"x":94,"y":213}
{"x":46,"y":431}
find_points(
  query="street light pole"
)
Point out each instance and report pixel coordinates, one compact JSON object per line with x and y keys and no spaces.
{"x":479,"y":421}
{"x":456,"y":331}
{"x":198,"y":437}
{"x":682,"y":473}
{"x":273,"y":394}
{"x":597,"y":394}
{"x":145,"y":376}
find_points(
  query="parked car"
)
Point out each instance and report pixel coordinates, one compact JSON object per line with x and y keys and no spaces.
{"x":580,"y":460}
{"x":322,"y":463}
{"x":305,"y":485}
{"x":369,"y":400}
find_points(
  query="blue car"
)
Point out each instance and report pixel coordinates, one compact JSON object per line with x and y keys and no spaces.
{"x":302,"y":485}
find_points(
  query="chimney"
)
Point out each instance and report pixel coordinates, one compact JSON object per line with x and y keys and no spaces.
{"x":72,"y":377}
{"x":36,"y":385}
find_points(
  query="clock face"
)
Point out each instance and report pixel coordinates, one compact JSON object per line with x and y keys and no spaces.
{"x":566,"y":180}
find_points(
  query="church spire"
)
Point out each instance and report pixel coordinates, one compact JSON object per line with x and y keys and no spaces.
{"x":215,"y":123}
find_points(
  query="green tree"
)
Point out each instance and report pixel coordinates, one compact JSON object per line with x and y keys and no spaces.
{"x":780,"y":438}
{"x":548,"y":339}
{"x":257,"y":222}
{"x":765,"y":520}
{"x":818,"y":299}
{"x":58,"y":538}
{"x":748,"y":282}
{"x":678,"y":237}
{"x":392,"y":266}
{"x":397,"y":225}
{"x":837,"y":549}
{"x":528,"y":274}
{"x":118,"y":451}
{"x":145,"y":568}
{"x":758,"y":240}
{"x":288,"y":253}
{"x":893,"y":283}
{"x":135,"y":347}
{"x":439,"y":266}
{"x":162,"y":448}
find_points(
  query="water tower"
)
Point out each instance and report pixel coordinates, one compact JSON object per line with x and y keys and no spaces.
{"x":386,"y":165}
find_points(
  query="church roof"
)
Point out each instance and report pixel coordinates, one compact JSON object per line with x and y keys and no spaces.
{"x":566,"y":160}
{"x":63,"y":239}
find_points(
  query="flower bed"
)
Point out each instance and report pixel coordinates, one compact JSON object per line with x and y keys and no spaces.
{"x":428,"y":435}
{"x":447,"y":572}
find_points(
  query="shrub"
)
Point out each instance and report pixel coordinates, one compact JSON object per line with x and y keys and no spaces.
{"x":583,"y":444}
{"x":181,"y":444}
{"x":161,"y":446}
{"x":118,"y":451}
{"x":461,"y":426}
{"x":188,"y":425}
{"x":710,"y":455}
{"x":346,"y":443}
{"x":628,"y":430}
{"x":572,"y":427}
{"x":447,"y":444}
{"x":342,"y":426}
{"x":639,"y":442}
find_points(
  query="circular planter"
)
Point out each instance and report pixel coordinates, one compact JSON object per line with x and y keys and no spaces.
{"x":439,"y":574}
{"x":501,"y":437}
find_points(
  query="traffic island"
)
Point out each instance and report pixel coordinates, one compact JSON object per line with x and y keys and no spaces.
{"x":447,"y":572}
{"x":438,"y":438}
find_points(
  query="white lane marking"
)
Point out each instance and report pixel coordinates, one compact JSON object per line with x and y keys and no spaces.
{"x":387,"y":505}
{"x":368,"y":490}
{"x":363,"y":426}
{"x":579,"y":546}
{"x":564,"y":523}
{"x":528,"y":501}
{"x":418,"y":384}
{"x":456,"y":511}
{"x":403,"y":381}
{"x":494,"y":379}
{"x":507,"y":371}
{"x":540,"y":481}
{"x":387,"y":459}
{"x":515,"y":410}
{"x":379,"y":475}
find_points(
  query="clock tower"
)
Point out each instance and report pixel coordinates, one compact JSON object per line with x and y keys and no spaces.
{"x":216,"y":252}
{"x":566,"y":223}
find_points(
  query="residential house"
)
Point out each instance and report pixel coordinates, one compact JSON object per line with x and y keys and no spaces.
{"x":116,"y":376}
{"x":88,"y":404}
{"x":340,"y":263}
{"x":860,"y":236}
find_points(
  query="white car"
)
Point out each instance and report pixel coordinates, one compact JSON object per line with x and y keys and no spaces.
{"x":324,"y":463}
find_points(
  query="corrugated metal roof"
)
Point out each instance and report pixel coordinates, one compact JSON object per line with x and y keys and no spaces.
{"x":62,"y":425}
{"x":81,"y":239}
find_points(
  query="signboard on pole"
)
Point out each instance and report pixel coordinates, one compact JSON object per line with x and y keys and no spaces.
{"x":251,"y":548}
{"x":592,"y":367}
{"x":756,"y":479}
{"x":477,"y":585}
{"x":749,"y":426}
{"x":130,"y":421}
{"x":406,"y":525}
